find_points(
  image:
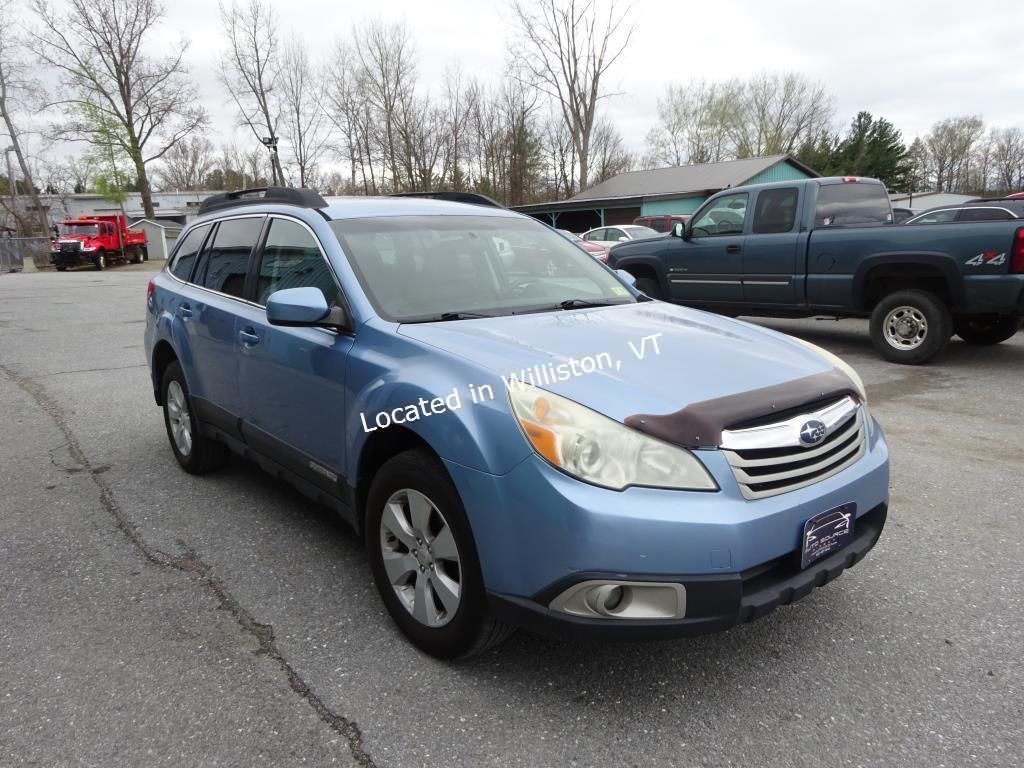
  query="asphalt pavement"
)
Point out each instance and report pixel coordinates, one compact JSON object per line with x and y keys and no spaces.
{"x":148,"y":617}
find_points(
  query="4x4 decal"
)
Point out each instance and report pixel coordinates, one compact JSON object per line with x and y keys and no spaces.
{"x":990,"y":259}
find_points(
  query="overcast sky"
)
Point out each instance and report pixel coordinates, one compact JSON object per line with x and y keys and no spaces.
{"x":911,"y":62}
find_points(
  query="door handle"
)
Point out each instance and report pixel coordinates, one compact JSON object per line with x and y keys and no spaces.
{"x":185,"y":311}
{"x":248,"y":337}
{"x":732,"y":249}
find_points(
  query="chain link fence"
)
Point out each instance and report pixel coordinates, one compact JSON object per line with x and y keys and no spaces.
{"x":15,"y":250}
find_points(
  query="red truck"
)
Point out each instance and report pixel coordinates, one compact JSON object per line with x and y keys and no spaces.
{"x":97,"y":240}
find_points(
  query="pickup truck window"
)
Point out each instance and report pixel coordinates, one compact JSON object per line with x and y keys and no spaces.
{"x":776,"y":211}
{"x":851,"y":204}
{"x":725,"y":217}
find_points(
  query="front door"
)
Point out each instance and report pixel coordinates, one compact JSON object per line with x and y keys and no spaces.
{"x":707,"y":268}
{"x":293,"y":379}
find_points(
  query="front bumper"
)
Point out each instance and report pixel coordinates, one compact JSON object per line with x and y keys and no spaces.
{"x":714,"y":603}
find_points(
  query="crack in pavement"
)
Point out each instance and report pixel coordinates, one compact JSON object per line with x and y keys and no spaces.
{"x":190,"y":563}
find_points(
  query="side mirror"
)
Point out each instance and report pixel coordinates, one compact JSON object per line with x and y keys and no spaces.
{"x":297,"y":307}
{"x":629,"y":278}
{"x":623,"y":239}
{"x":679,"y":230}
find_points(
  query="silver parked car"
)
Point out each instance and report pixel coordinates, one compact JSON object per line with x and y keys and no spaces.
{"x":609,"y":236}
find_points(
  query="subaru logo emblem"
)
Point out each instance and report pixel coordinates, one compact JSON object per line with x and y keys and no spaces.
{"x":812,"y":432}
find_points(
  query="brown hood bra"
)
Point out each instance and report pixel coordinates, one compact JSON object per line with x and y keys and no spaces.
{"x":700,"y":425}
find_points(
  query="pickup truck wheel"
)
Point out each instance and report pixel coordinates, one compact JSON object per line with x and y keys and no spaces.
{"x":649,"y":286}
{"x":196,"y":454}
{"x":62,"y":268}
{"x":910,"y":327}
{"x":424,"y":559}
{"x":986,"y":330}
{"x":100,"y":261}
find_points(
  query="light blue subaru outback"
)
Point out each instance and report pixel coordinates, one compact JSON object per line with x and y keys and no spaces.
{"x":520,"y":436}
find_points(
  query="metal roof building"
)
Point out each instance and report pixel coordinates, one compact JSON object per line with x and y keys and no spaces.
{"x":679,"y":189}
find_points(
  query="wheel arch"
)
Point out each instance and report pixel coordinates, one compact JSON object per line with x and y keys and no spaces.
{"x":163,"y":355}
{"x":882,"y":274}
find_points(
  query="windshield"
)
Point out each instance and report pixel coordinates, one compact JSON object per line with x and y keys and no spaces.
{"x":417,"y":268}
{"x":639,"y":233}
{"x":72,"y":228}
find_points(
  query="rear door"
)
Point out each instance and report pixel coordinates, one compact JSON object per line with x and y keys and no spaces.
{"x":772,"y":263}
{"x":293,"y":379}
{"x":213,"y":307}
{"x":708,"y":267}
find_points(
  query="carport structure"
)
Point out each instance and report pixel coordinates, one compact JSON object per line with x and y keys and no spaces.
{"x":673,"y":190}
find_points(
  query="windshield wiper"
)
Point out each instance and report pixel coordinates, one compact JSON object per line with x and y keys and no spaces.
{"x":577,"y":303}
{"x":445,"y":316}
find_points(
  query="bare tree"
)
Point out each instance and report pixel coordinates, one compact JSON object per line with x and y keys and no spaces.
{"x":774,"y":113}
{"x":305,"y":124}
{"x":119,"y":93}
{"x":187,"y":164}
{"x":14,"y":85}
{"x":1008,"y":159}
{"x":567,"y":49}
{"x":250,"y":70}
{"x":950,"y":144}
{"x":691,"y":126}
{"x":610,"y":156}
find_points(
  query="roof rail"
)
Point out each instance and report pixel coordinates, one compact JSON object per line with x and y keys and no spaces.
{"x":1006,"y":199}
{"x":472,"y":198}
{"x":303,"y":198}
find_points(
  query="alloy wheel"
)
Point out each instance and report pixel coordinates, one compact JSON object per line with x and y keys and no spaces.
{"x":421,"y":558}
{"x":178,"y":417}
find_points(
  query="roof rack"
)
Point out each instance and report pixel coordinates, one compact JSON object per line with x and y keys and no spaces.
{"x":1006,"y":199}
{"x":303,"y":198}
{"x":472,"y":198}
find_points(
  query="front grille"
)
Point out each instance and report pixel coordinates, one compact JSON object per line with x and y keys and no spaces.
{"x":70,"y":247}
{"x":770,"y":459}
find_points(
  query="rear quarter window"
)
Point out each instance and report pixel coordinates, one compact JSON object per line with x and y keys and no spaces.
{"x":852,"y":204}
{"x":188,"y":249}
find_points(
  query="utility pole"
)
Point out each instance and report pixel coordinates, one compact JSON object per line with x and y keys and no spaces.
{"x":270,"y":142}
{"x":10,"y":183}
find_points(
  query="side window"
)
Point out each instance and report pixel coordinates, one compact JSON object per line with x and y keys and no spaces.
{"x":185,"y":258}
{"x":224,"y":264}
{"x":292,"y":259}
{"x":984,"y":214}
{"x":725,"y":216}
{"x":935,"y":217}
{"x":776,"y":211}
{"x":597,"y":234}
{"x":613,"y":235}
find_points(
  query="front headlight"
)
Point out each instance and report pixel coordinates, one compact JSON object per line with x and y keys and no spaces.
{"x":600,"y":450}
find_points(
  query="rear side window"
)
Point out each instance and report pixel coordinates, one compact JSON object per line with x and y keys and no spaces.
{"x":597,"y":234}
{"x":935,"y":217}
{"x":776,"y":211}
{"x":187,"y":252}
{"x":224,"y":265}
{"x":851,"y":204}
{"x":985,"y":214}
{"x":292,"y":259}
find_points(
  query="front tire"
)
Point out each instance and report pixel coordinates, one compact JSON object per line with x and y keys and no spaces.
{"x":99,"y":261}
{"x":649,"y":286}
{"x":986,"y":331}
{"x":196,"y":454}
{"x":910,"y":327}
{"x":424,"y":559}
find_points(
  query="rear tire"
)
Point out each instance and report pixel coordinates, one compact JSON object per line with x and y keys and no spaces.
{"x":986,"y":331}
{"x":196,"y":454}
{"x":910,"y":327}
{"x":649,"y":286}
{"x":62,"y":268}
{"x":432,"y":584}
{"x":136,"y":256}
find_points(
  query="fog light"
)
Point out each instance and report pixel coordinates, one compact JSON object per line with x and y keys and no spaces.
{"x":623,"y":600}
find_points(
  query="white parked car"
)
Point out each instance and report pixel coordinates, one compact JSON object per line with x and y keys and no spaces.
{"x":609,"y":236}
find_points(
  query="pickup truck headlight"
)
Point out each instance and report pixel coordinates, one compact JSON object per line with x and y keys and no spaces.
{"x":599,"y":450}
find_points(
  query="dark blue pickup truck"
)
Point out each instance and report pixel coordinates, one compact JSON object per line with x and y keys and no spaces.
{"x":829,"y":247}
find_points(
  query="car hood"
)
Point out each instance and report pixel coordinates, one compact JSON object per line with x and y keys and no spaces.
{"x":649,"y":357}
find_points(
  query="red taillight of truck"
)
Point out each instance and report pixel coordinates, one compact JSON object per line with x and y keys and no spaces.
{"x":1017,"y":259}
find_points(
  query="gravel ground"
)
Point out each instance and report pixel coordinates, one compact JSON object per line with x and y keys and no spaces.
{"x":154,"y":618}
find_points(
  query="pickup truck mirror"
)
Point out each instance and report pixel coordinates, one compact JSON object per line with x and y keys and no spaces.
{"x":679,"y":230}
